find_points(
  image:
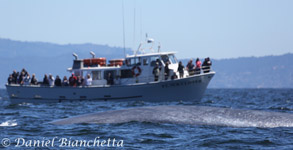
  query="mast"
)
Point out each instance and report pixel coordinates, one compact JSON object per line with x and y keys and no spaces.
{"x":134,"y":17}
{"x":123,"y":29}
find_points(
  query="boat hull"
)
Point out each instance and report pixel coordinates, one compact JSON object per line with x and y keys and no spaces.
{"x":190,"y":88}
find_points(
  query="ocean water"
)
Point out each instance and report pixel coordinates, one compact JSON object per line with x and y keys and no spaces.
{"x":23,"y":125}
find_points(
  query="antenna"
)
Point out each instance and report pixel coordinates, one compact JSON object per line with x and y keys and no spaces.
{"x":138,"y":49}
{"x":123,"y":28}
{"x":140,"y":25}
{"x":159,"y":47}
{"x":151,"y":41}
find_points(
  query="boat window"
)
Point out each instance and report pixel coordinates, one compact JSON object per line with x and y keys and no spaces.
{"x":173,"y":59}
{"x":133,"y":61}
{"x":127,"y":62}
{"x":127,"y":73}
{"x":96,"y":75}
{"x":118,"y":73}
{"x":106,"y":72}
{"x":76,"y":64}
{"x":154,"y":59}
{"x":165,"y":58}
{"x":146,"y":61}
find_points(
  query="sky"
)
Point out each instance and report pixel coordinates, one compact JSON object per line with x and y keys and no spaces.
{"x":193,"y":28}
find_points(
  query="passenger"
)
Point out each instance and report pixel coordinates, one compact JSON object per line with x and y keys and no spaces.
{"x":34,"y":80}
{"x":181,"y":69}
{"x":24,"y":72}
{"x":205,"y":66}
{"x":46,"y":80}
{"x":58,"y":81}
{"x":190,"y":67}
{"x":156,"y":72}
{"x":167,"y":71}
{"x":198,"y":66}
{"x":14,"y":76}
{"x":20,"y":78}
{"x":209,"y":64}
{"x":27,"y":80}
{"x":51,"y":80}
{"x":72,"y":80}
{"x":79,"y":81}
{"x":174,"y":76}
{"x":159,"y":62}
{"x":82,"y":81}
{"x":65,"y":81}
{"x":110,"y":79}
{"x":88,"y":80}
{"x":10,"y":79}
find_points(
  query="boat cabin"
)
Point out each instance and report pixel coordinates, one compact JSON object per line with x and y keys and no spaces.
{"x":131,"y":70}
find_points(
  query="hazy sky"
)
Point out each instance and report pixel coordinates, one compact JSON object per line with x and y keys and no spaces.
{"x":197,"y":28}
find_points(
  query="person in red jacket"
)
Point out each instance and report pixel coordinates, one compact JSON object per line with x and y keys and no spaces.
{"x":72,"y":80}
{"x":197,"y":66}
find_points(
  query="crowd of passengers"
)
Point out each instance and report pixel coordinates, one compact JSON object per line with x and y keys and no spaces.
{"x":196,"y":69}
{"x":24,"y":78}
{"x":190,"y":67}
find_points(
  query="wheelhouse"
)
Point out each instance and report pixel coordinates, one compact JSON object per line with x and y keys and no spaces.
{"x":132,"y":69}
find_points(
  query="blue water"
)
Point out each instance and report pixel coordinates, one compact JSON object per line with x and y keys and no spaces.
{"x":30,"y":122}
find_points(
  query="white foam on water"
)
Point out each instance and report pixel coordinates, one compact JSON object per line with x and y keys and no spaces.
{"x":9,"y":123}
{"x":24,"y":104}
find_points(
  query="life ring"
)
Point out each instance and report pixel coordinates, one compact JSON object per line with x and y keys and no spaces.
{"x":133,"y":71}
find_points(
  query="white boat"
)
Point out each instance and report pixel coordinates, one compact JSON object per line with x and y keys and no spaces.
{"x":134,"y":80}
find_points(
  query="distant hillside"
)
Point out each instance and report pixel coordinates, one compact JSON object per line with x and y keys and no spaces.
{"x":40,"y":58}
{"x":253,"y":72}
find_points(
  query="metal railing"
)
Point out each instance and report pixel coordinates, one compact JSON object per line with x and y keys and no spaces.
{"x":200,"y":71}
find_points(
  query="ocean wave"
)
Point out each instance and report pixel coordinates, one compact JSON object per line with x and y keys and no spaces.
{"x":9,"y":123}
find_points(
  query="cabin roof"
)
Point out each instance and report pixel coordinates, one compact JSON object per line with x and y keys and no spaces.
{"x":118,"y":67}
{"x":95,"y":68}
{"x":150,"y":54}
